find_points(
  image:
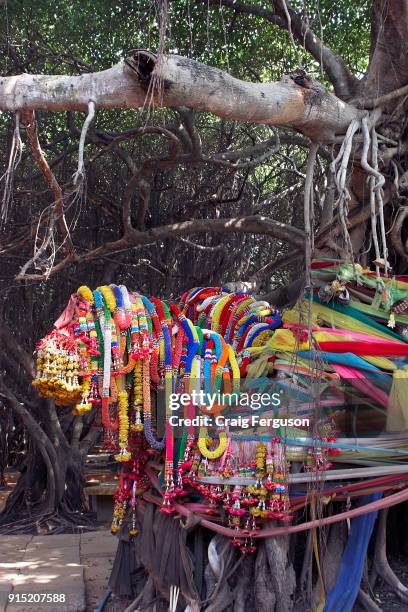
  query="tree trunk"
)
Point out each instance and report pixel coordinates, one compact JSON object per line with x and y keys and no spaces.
{"x":49,"y":493}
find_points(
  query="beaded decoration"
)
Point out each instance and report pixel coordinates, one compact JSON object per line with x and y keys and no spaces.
{"x":121,"y":349}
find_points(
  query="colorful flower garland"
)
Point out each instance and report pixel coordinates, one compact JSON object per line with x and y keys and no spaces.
{"x":121,"y":348}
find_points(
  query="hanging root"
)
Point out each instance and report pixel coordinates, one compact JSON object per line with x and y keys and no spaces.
{"x":155,"y":90}
{"x":78,"y":193}
{"x":49,"y":176}
{"x":376,"y":182}
{"x":308,"y":211}
{"x":8,"y":177}
{"x":381,"y":566}
{"x":339,"y":170}
{"x":289,"y":24}
{"x":39,"y":260}
{"x":374,"y":235}
{"x":53,"y":215}
{"x":79,"y":176}
{"x":309,"y":236}
{"x":379,"y":196}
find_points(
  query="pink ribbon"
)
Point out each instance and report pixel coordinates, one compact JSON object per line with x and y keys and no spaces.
{"x":68,"y":314}
{"x":359,"y":381}
{"x":385,"y":502}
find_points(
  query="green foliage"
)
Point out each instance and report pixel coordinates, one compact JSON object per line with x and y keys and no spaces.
{"x":65,"y":36}
{"x":70,"y":37}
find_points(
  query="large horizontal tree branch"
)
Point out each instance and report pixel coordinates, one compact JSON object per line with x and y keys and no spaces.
{"x":298,"y":101}
{"x":255,"y":224}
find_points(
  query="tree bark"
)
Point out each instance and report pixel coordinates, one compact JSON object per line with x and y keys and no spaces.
{"x":388,"y":68}
{"x":282,"y":574}
{"x":297,"y":101}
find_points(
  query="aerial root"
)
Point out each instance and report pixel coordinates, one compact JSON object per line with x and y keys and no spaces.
{"x":79,"y":176}
{"x":381,"y":567}
{"x":376,"y":181}
{"x":339,"y":170}
{"x":16,"y":150}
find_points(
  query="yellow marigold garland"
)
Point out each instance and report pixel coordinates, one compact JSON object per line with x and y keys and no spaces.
{"x":203,"y":442}
{"x":138,"y":395}
{"x":119,"y":513}
{"x":109,"y":297}
{"x":86,"y":293}
{"x":123,"y":405}
{"x":260,"y":460}
{"x":84,"y":405}
{"x":58,"y":370}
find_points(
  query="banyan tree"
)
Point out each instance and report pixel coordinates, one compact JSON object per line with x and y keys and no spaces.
{"x":163,"y":165}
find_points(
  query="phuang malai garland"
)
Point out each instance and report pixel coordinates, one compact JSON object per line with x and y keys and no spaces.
{"x":124,"y":356}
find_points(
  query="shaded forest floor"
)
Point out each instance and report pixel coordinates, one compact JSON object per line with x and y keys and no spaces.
{"x":384,"y":596}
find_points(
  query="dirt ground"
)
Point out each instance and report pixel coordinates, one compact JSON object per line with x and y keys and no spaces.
{"x":382,"y":595}
{"x":97,"y":555}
